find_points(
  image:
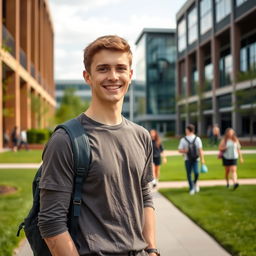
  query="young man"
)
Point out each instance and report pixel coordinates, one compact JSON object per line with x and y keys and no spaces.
{"x":117,"y":215}
{"x":185,"y":147}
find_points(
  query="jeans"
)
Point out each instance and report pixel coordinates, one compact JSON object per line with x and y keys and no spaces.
{"x":192,"y":166}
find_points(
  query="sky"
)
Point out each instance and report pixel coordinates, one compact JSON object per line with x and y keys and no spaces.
{"x":78,"y":22}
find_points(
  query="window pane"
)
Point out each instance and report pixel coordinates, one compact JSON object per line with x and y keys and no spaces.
{"x":192,"y":25}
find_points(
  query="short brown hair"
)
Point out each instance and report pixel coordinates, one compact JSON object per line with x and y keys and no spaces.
{"x":191,"y":128}
{"x":110,"y":42}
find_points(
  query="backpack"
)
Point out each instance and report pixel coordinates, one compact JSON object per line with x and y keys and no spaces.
{"x":81,"y":155}
{"x":192,"y":150}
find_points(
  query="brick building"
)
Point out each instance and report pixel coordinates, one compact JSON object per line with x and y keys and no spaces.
{"x":216,"y":42}
{"x":26,"y":65}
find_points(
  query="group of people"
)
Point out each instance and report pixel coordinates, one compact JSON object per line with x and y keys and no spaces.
{"x":16,"y":139}
{"x":192,"y":148}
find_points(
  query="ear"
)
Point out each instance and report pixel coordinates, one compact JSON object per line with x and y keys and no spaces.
{"x":87,"y":77}
{"x":131,"y":74}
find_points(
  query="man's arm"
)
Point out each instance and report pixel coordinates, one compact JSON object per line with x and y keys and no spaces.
{"x":201,"y":155}
{"x":149,"y":229}
{"x":61,"y":245}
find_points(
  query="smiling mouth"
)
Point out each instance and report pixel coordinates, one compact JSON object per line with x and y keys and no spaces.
{"x":112,"y":87}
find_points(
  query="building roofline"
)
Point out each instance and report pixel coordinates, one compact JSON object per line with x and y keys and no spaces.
{"x":154,"y":30}
{"x":184,"y":8}
{"x":48,"y":9}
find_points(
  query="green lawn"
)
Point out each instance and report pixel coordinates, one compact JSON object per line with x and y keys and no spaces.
{"x":173,"y":143}
{"x":22,"y":156}
{"x":175,"y":169}
{"x":229,"y":216}
{"x":13,"y":208}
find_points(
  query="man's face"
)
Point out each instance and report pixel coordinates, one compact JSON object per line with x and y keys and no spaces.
{"x":110,"y":76}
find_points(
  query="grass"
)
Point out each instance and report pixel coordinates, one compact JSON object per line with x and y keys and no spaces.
{"x":173,"y":143}
{"x":175,"y":169}
{"x":14,"y":207}
{"x":22,"y":156}
{"x":229,"y":216}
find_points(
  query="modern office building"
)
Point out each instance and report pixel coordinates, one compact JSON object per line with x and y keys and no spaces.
{"x":81,"y":89}
{"x":216,"y":63}
{"x":155,"y":75}
{"x":26,"y":59}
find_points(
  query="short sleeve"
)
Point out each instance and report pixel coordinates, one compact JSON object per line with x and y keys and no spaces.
{"x":57,"y":171}
{"x":181,"y":144}
{"x":199,"y":141}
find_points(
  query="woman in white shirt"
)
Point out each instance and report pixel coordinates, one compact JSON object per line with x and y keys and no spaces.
{"x":230,"y":146}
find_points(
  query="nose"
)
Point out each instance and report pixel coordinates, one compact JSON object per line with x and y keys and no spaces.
{"x":113,"y":76}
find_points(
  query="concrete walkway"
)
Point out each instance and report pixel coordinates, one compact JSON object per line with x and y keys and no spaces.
{"x":203,"y":183}
{"x":207,"y":152}
{"x":177,"y":235}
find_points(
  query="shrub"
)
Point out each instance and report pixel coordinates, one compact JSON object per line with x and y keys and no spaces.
{"x":38,"y":136}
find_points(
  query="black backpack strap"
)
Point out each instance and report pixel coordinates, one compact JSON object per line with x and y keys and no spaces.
{"x":187,"y":140}
{"x":194,"y":141}
{"x":81,"y":153}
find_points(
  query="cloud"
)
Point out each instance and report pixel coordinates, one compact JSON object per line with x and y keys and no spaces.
{"x":79,"y":22}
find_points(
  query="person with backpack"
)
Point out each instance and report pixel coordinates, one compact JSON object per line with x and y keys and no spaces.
{"x":192,"y":149}
{"x":116,"y":209}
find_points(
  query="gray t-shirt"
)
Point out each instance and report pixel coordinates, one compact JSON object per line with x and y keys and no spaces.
{"x":184,"y":144}
{"x":114,"y":193}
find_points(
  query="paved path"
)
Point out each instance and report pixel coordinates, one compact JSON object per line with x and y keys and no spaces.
{"x":177,"y":235}
{"x":20,"y":166}
{"x":207,"y":152}
{"x":203,"y":183}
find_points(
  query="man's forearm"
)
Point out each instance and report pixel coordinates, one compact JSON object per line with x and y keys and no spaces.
{"x":61,"y":245}
{"x":149,"y":227}
{"x":201,"y":155}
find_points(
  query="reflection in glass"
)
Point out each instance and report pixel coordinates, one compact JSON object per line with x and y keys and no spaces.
{"x":192,"y":26}
{"x":182,"y":35}
{"x":205,"y":16}
{"x":223,"y":8}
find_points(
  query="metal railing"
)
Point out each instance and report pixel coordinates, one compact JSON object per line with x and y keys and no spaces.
{"x":23,"y":58}
{"x":8,"y":41}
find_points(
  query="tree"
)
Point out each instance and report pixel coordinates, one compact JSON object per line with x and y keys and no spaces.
{"x":71,"y":106}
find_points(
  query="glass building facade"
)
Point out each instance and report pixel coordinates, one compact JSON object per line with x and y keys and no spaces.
{"x":223,"y":8}
{"x":182,"y":37}
{"x":156,"y":71}
{"x":192,"y":26}
{"x":161,"y":59}
{"x":248,"y":54}
{"x":217,"y":54}
{"x":205,"y":15}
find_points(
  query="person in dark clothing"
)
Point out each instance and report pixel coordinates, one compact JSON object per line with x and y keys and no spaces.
{"x":15,"y":138}
{"x":158,"y":154}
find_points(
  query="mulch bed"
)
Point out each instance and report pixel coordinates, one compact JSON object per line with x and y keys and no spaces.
{"x":6,"y":190}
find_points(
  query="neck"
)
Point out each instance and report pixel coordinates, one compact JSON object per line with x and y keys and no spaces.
{"x":109,"y":114}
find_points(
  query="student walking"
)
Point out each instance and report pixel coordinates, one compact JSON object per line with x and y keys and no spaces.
{"x":192,"y":149}
{"x":15,"y":138}
{"x":158,"y":155}
{"x":117,"y":213}
{"x":215,"y":134}
{"x":230,"y":146}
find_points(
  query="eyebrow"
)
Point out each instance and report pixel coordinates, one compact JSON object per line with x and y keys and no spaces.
{"x":107,"y":65}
